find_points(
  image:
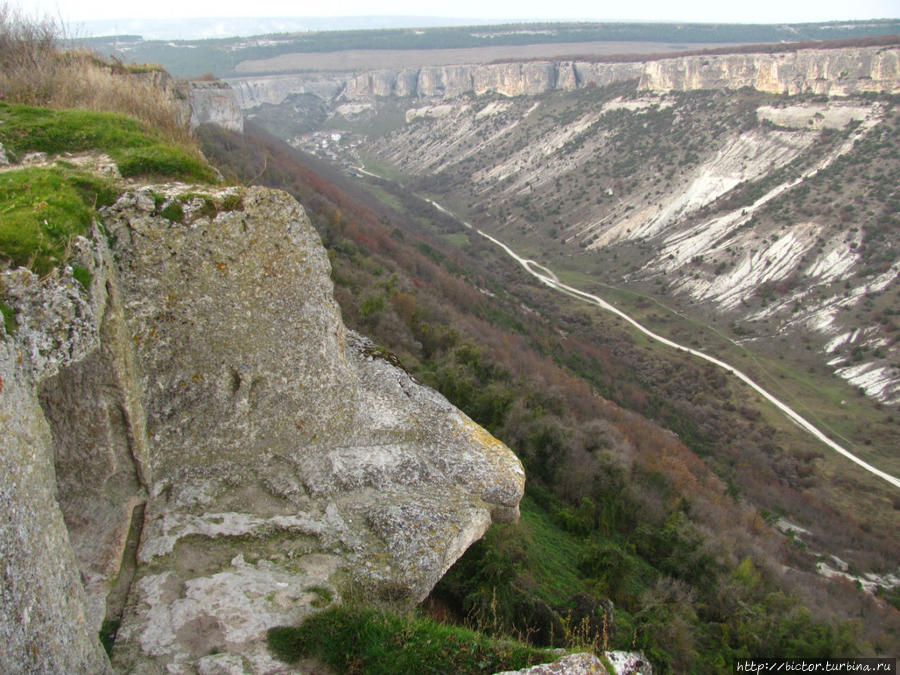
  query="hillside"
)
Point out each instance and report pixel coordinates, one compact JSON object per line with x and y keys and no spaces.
{"x":529,"y":367}
{"x":195,"y":448}
{"x":732,"y":221}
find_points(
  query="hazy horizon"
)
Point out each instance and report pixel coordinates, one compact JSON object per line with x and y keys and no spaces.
{"x":224,"y":27}
{"x":461,"y":12}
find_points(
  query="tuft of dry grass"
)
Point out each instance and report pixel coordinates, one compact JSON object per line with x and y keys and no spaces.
{"x":36,"y":70}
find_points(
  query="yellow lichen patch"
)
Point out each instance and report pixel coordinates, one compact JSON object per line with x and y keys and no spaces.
{"x":507,"y":482}
{"x":483,"y":437}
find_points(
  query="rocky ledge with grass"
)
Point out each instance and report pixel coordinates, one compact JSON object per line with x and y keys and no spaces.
{"x":200,"y":450}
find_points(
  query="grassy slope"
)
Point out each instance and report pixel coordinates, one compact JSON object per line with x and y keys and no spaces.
{"x":790,"y":368}
{"x":379,"y":642}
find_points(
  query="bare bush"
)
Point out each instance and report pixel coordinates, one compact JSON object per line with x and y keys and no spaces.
{"x":35,"y":69}
{"x":25,"y":43}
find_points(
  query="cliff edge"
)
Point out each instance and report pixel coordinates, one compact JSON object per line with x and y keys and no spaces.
{"x":200,"y":450}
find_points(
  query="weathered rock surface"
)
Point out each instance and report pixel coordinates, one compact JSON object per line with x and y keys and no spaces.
{"x":624,"y":663}
{"x":835,"y":72}
{"x":206,"y":388}
{"x":45,"y":626}
{"x":571,"y":664}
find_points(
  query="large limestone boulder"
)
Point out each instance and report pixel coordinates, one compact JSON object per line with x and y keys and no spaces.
{"x":195,"y":445}
{"x":45,"y":624}
{"x":291,"y":461}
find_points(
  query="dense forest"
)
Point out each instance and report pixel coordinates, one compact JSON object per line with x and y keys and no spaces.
{"x":627,"y":537}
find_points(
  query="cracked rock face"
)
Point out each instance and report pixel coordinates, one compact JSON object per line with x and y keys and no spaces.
{"x":45,"y":620}
{"x":290,"y":461}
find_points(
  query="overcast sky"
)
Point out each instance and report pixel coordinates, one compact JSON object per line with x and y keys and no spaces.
{"x":754,"y":11}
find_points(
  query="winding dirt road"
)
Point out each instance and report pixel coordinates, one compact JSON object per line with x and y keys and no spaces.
{"x":548,"y":278}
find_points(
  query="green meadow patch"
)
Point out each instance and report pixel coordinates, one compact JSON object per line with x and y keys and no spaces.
{"x":40,"y":212}
{"x":164,"y":161}
{"x":43,"y":208}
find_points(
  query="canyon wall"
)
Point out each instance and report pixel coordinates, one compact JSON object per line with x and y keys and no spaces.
{"x":833,"y":72}
{"x":214,"y":102}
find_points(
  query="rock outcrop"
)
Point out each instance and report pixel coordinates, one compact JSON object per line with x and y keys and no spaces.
{"x":198,"y":447}
{"x":214,"y":102}
{"x":571,"y":664}
{"x":45,"y":625}
{"x":834,"y":72}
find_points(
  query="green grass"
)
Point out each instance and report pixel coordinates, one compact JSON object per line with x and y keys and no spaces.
{"x":40,"y":211}
{"x":382,"y":169}
{"x":137,"y":150}
{"x":374,"y":641}
{"x":382,"y":195}
{"x":173,"y":211}
{"x":30,"y":129}
{"x":549,"y":553}
{"x":161,"y":161}
{"x":325,"y":596}
{"x":82,"y":275}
